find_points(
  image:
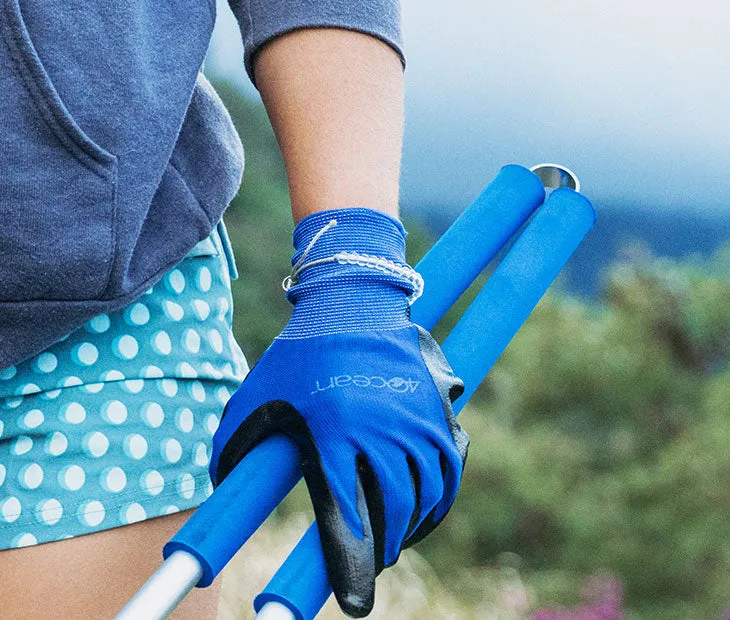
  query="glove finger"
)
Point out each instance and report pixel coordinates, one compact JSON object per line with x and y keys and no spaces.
{"x":392,"y":501}
{"x":345,"y":530}
{"x":425,"y":464}
{"x":232,"y":443}
{"x":439,"y":511}
{"x":452,"y":461}
{"x":451,"y":465}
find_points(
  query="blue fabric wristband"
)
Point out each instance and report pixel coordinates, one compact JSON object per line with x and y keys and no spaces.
{"x":338,"y":296}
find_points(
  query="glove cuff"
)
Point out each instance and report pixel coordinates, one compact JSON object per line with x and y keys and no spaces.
{"x":349,"y":273}
{"x":358,"y":230}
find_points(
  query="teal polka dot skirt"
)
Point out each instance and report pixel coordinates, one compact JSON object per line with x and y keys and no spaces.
{"x":114,"y":423}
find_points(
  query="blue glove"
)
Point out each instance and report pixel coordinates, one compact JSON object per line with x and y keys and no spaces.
{"x":365,"y":393}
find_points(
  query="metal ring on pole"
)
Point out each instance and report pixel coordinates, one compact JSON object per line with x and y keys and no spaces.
{"x":554,"y":176}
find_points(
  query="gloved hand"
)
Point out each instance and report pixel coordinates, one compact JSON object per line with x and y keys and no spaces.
{"x":365,"y":393}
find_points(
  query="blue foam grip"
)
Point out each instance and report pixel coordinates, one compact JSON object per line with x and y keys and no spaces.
{"x":474,"y":239}
{"x":301,"y":582}
{"x":472,"y":348}
{"x":243,"y":501}
{"x":240,"y":504}
{"x":515,"y":287}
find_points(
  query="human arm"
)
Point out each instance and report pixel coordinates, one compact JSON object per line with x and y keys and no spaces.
{"x":335,"y":100}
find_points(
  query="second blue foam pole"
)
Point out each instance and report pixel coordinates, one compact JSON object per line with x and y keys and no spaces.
{"x":474,"y":239}
{"x":472,"y":348}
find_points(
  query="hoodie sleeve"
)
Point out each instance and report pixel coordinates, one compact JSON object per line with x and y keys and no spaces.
{"x":262,"y":20}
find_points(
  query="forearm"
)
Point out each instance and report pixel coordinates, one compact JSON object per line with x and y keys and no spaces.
{"x":335,"y":100}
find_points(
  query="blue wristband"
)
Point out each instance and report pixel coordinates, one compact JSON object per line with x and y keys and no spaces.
{"x":366,"y":289}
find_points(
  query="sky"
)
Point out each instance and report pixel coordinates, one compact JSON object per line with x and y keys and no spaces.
{"x":634,"y":96}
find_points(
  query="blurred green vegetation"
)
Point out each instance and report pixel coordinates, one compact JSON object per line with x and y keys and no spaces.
{"x":599,"y":440}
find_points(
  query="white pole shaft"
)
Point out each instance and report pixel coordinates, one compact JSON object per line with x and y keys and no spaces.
{"x":275,"y":611}
{"x":164,"y":590}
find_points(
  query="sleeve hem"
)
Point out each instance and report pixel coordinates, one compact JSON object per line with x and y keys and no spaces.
{"x":260,"y":21}
{"x":252,"y":50}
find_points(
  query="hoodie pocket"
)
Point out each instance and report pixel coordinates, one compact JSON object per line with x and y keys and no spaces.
{"x":57,"y":236}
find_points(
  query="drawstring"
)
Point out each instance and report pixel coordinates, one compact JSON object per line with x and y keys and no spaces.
{"x":353,"y":258}
{"x":291,"y":279}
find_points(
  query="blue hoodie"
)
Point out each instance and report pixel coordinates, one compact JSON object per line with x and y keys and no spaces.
{"x":116,"y":154}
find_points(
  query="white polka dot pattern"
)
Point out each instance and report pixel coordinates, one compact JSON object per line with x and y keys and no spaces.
{"x":74,"y":413}
{"x":92,"y":513}
{"x":204,"y":279}
{"x":152,"y":372}
{"x":125,"y":347}
{"x":137,"y":314}
{"x":200,"y":456}
{"x":175,"y":281}
{"x":191,"y":340}
{"x":186,"y":370}
{"x":25,"y":540}
{"x":10,"y":509}
{"x":168,"y":387}
{"x":96,"y":444}
{"x":113,"y":479}
{"x":56,"y":444}
{"x":161,"y":343}
{"x":134,"y":385}
{"x":171,"y":450}
{"x":8,"y":373}
{"x":197,"y":391}
{"x":135,"y":446}
{"x":32,"y":419}
{"x":28,"y":388}
{"x":112,"y":375}
{"x":216,"y":340}
{"x":114,"y":412}
{"x":185,"y":420}
{"x":49,"y":511}
{"x":30,"y":476}
{"x":174,"y":311}
{"x":113,"y":423}
{"x":152,"y":482}
{"x":22,"y":445}
{"x":211,"y":423}
{"x":99,"y":324}
{"x":186,"y":486}
{"x":201,"y":309}
{"x":153,"y":414}
{"x":133,"y":513}
{"x":46,"y":362}
{"x":85,"y":354}
{"x":93,"y":388}
{"x":72,"y":478}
